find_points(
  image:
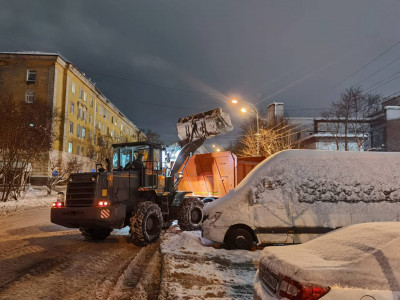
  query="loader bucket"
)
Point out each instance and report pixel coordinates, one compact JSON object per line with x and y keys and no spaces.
{"x":203,"y":125}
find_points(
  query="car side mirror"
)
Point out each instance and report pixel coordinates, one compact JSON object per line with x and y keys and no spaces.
{"x":252,"y":198}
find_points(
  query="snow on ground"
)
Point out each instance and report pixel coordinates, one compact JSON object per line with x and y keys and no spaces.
{"x":34,"y":197}
{"x":192,"y":269}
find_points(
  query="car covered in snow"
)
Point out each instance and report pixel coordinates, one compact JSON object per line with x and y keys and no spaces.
{"x":358,"y":262}
{"x":297,"y":195}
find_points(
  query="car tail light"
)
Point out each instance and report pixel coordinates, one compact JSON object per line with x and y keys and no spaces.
{"x":58,"y":204}
{"x":103,"y":203}
{"x":294,"y":290}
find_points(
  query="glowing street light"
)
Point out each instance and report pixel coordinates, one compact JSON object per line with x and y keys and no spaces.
{"x":255,"y":111}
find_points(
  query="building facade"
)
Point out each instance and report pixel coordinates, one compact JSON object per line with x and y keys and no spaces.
{"x":87,"y":117}
{"x":385,"y":126}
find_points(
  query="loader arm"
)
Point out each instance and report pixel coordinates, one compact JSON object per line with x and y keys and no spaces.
{"x":185,"y":152}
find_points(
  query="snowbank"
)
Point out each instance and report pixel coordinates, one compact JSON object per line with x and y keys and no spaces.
{"x":34,"y":197}
{"x":359,"y":256}
{"x":194,"y":270}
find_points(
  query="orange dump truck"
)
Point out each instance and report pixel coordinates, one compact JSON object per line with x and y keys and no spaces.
{"x":213,"y":175}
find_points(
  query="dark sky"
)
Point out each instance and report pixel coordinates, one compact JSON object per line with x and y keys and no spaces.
{"x":161,"y":60}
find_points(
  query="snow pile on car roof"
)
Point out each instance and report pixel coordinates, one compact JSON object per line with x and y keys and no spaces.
{"x":359,"y":256}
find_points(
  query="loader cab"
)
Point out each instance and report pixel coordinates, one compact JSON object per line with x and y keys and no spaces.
{"x":143,"y":159}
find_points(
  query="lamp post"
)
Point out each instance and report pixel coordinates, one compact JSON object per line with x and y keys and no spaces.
{"x":255,"y":111}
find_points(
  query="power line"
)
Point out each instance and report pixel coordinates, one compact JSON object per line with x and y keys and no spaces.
{"x":367,"y":64}
{"x":13,"y":40}
{"x":150,"y":83}
{"x":156,"y":104}
{"x":377,"y":84}
{"x":377,"y":71}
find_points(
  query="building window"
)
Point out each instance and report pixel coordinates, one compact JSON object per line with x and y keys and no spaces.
{"x":100,"y":110}
{"x":77,"y":149}
{"x":78,"y":130}
{"x":83,"y":132}
{"x":84,"y":114}
{"x":31,"y":76}
{"x":73,"y":89}
{"x":104,"y":128}
{"x":91,"y":102}
{"x":72,"y":107}
{"x":90,"y":136}
{"x":80,"y":93}
{"x":84,"y":96}
{"x":71,"y":127}
{"x":69,"y":147}
{"x":79,"y":112}
{"x":29,"y":97}
{"x":90,"y":119}
{"x":99,"y":126}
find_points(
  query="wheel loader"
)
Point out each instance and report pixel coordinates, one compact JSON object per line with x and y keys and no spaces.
{"x":137,"y":188}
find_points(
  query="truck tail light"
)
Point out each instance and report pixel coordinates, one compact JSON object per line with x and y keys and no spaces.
{"x":294,"y":290}
{"x":103,"y":203}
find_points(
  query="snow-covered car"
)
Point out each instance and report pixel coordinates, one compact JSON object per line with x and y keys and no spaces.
{"x":297,"y":195}
{"x":358,"y":262}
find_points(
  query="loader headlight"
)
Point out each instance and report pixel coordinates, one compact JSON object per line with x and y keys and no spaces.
{"x":93,"y":178}
{"x":60,"y":197}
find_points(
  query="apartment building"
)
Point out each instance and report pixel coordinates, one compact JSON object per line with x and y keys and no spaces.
{"x":87,"y":116}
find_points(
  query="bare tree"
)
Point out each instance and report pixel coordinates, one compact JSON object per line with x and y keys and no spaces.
{"x":60,"y":170}
{"x":26,"y":132}
{"x":152,"y":136}
{"x":348,"y":118}
{"x":272,"y":140}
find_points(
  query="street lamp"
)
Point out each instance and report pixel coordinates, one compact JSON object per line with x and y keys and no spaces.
{"x":255,"y":111}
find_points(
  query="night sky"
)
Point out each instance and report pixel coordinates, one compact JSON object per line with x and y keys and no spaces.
{"x":162,"y":60}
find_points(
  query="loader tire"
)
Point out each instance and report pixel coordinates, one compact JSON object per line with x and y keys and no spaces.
{"x":96,"y":234}
{"x":145,"y":224}
{"x":190,"y":214}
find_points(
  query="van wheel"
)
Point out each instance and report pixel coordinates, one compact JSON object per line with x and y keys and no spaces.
{"x":208,"y":200}
{"x":96,"y":234}
{"x":190,"y":214}
{"x":146,"y":223}
{"x":239,"y":238}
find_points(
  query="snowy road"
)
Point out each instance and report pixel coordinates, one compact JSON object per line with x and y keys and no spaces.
{"x":40,"y":260}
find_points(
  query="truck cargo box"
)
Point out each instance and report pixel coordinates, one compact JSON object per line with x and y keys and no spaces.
{"x":215,"y":174}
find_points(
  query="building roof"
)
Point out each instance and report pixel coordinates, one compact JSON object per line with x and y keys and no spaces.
{"x":37,"y":53}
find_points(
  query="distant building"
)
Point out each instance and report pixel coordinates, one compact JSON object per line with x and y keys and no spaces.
{"x":320,"y":133}
{"x":385,"y":126}
{"x":275,"y":113}
{"x":88,"y":116}
{"x":330,"y":134}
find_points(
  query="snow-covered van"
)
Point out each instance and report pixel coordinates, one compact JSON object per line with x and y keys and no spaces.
{"x":296,"y":195}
